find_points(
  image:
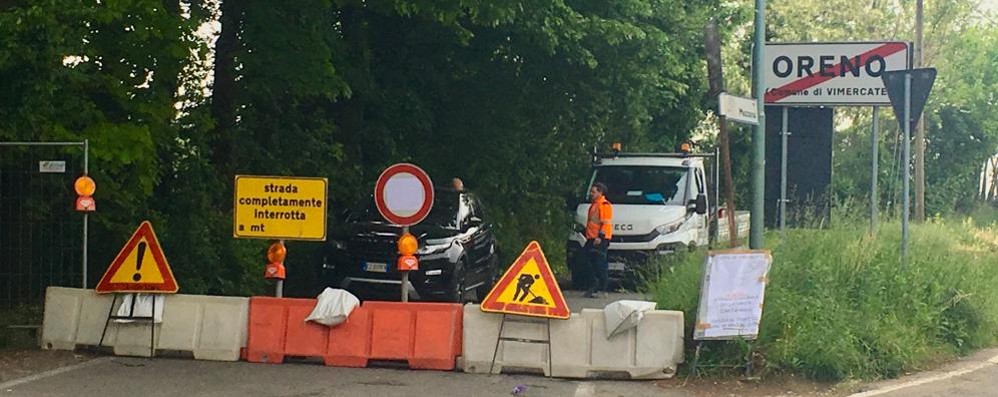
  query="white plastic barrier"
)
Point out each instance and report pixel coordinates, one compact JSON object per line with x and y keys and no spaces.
{"x":210,"y":327}
{"x":579,"y":347}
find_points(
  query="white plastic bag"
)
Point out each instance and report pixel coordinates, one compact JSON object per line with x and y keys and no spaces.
{"x":142,"y":308}
{"x":333,"y":307}
{"x":623,"y":315}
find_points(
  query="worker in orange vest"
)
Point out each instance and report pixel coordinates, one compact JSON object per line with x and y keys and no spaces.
{"x":599,"y":229}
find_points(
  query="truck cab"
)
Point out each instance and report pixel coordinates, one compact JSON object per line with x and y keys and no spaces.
{"x":660,"y":205}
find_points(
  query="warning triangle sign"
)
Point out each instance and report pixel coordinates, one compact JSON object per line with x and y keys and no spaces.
{"x":140,"y":267}
{"x":528,"y":288}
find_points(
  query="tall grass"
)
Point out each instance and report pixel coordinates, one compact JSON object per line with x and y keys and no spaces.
{"x":840,"y":305}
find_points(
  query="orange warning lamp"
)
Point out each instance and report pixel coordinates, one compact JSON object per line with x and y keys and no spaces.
{"x":275,"y":255}
{"x":616,"y":146}
{"x":85,"y":187}
{"x":407,"y":244}
{"x":685,"y":147}
{"x":277,"y":252}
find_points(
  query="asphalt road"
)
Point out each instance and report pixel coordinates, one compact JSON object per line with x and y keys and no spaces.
{"x":162,"y":377}
{"x":974,"y":376}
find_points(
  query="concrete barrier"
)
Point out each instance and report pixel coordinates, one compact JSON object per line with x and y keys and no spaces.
{"x":579,"y":347}
{"x":209,"y":327}
{"x":653,"y":350}
{"x":481,"y":334}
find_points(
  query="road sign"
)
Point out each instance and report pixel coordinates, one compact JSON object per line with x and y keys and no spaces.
{"x":404,"y":194}
{"x":279,"y":207}
{"x":921,"y":84}
{"x":528,"y":288}
{"x":735,"y":108}
{"x":831,"y":73}
{"x":139,"y":267}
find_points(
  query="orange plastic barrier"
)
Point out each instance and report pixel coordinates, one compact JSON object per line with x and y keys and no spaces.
{"x":277,"y":328}
{"x":426,"y":335}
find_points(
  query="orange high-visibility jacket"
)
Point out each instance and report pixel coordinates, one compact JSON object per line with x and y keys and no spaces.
{"x":600,"y":211}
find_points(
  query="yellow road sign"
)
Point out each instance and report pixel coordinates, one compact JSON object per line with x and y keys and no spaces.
{"x":528,"y":288}
{"x":277,"y":207}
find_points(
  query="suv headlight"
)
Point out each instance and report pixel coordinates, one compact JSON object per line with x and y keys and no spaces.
{"x":670,"y":227}
{"x":435,"y":245}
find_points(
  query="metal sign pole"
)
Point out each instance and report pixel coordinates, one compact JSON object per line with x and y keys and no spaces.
{"x":405,"y":275}
{"x":907,"y":170}
{"x":86,"y":215}
{"x":783,"y":174}
{"x":873,"y":175}
{"x":759,"y":132}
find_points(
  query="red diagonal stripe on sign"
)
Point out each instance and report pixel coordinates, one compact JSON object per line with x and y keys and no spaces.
{"x":780,"y":93}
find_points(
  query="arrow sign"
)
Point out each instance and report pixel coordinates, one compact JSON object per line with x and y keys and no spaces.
{"x":921,"y":85}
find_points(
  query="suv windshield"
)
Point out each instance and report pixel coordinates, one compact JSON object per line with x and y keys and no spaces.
{"x":443,"y":214}
{"x":642,"y":185}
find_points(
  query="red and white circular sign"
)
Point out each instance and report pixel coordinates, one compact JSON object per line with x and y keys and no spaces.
{"x":404,"y":194}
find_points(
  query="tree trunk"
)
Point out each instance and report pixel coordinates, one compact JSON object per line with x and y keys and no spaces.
{"x":223,"y":106}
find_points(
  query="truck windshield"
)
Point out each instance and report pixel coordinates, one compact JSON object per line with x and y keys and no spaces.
{"x":642,"y":185}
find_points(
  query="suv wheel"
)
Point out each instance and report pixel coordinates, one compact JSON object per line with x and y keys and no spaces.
{"x":457,"y":292}
{"x":494,"y":274}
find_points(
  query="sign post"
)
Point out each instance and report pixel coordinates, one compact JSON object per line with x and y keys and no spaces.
{"x":279,"y":208}
{"x":908,"y":91}
{"x":732,"y":291}
{"x":139,"y":268}
{"x":822,"y":74}
{"x":403,"y":195}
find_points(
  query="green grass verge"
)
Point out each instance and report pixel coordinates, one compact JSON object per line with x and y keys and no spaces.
{"x":839,"y":304}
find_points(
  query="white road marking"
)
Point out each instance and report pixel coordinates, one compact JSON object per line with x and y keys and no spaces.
{"x":585,"y":389}
{"x":935,"y":378}
{"x":20,"y":381}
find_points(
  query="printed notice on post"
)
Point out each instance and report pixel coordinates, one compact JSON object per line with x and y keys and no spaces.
{"x":731,"y":294}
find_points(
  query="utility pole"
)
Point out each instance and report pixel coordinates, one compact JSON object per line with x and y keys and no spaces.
{"x":759,"y":132}
{"x":920,"y":132}
{"x":715,"y":78}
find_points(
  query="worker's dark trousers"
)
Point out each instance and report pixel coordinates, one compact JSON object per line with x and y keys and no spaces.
{"x":598,"y":266}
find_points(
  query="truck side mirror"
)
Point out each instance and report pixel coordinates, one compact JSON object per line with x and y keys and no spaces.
{"x":701,"y":204}
{"x":571,"y":203}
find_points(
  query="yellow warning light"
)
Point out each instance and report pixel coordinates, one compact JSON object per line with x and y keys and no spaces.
{"x":85,"y":186}
{"x":407,"y":244}
{"x":616,"y":146}
{"x":277,"y":252}
{"x":685,"y":147}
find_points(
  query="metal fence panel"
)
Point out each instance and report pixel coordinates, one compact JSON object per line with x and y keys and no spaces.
{"x":41,"y":236}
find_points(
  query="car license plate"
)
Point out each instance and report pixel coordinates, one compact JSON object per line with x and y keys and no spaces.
{"x":617,"y":266}
{"x":376,"y":267}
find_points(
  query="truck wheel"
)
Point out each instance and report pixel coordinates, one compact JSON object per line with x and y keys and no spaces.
{"x":580,"y":275}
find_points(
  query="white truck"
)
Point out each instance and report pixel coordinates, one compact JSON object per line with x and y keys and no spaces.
{"x":661,"y":204}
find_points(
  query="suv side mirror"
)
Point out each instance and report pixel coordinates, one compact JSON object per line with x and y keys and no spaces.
{"x":701,"y":204}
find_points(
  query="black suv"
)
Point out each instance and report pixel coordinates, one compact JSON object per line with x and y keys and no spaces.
{"x":457,"y":252}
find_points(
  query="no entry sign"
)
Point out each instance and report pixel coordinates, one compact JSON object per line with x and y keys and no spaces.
{"x":831,"y":73}
{"x":404,"y":194}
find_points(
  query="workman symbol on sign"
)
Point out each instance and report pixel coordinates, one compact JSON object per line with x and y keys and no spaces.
{"x":523,"y":284}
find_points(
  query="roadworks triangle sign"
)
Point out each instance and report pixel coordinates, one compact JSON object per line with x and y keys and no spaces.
{"x":140,"y":267}
{"x":528,"y":288}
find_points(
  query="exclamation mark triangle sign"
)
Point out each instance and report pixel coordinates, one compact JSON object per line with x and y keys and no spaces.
{"x":139,"y":267}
